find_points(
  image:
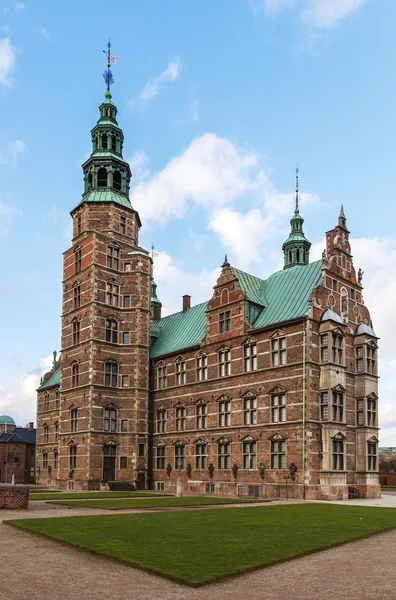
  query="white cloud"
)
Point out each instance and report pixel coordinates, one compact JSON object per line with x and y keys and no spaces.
{"x":19,"y":401}
{"x":326,"y":13}
{"x":139,"y":168}
{"x":154,"y":86}
{"x":12,"y":152}
{"x":7,"y":214}
{"x":19,"y":6}
{"x":7,"y":61}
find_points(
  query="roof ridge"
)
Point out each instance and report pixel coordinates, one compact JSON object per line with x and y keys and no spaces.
{"x":180,"y":312}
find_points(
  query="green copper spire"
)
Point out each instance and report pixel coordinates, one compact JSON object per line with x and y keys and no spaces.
{"x":296,"y":247}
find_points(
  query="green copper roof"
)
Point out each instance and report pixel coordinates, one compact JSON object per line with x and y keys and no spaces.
{"x":52,"y":381}
{"x":283,"y":296}
{"x":107,"y":195}
{"x":105,"y":154}
{"x":6,"y":420}
{"x":180,"y":330}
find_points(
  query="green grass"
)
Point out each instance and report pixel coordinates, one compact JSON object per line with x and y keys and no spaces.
{"x":157,"y":502}
{"x":388,"y":489}
{"x":79,"y":495}
{"x":196,"y":547}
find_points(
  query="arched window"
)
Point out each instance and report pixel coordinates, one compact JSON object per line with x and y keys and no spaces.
{"x":290,"y":256}
{"x":56,"y":431}
{"x":109,"y":418}
{"x":74,"y":418}
{"x":56,"y":456}
{"x":113,"y":143}
{"x":102,"y":177}
{"x":57,"y":395}
{"x":46,"y":401}
{"x":104,"y":141}
{"x":46,"y":433}
{"x":89,"y":180}
{"x":298,"y":255}
{"x":117,"y":180}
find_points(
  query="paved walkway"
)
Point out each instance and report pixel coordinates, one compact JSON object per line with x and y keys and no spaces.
{"x":35,"y":568}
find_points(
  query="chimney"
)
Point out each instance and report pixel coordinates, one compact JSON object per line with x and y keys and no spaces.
{"x":186,"y":302}
{"x":157,"y":312}
{"x":31,"y":426}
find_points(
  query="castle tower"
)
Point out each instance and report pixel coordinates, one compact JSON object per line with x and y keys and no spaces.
{"x":296,"y":247}
{"x":105,"y":323}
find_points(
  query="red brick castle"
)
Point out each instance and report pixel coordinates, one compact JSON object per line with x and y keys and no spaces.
{"x":271,"y":383}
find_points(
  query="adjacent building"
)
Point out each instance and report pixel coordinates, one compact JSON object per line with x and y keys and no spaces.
{"x":17,"y":452}
{"x":270,"y":383}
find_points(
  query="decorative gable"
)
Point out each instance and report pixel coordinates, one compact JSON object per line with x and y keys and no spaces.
{"x":277,"y":390}
{"x":339,"y":436}
{"x":339,"y":388}
{"x":249,"y":438}
{"x":278,"y":333}
{"x":277,"y":437}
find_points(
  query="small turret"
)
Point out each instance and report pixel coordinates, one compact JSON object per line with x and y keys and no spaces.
{"x":155,"y":303}
{"x":296,"y":247}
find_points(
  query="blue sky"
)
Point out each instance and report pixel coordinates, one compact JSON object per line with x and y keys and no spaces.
{"x":218,"y":101}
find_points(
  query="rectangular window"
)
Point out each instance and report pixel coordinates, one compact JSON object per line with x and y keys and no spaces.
{"x":249,"y":455}
{"x":335,"y":285}
{"x":337,"y":406}
{"x":124,"y":425}
{"x":126,"y":302}
{"x":123,"y":225}
{"x":113,"y":257}
{"x":77,"y":296}
{"x":359,"y":359}
{"x":250,"y":411}
{"x":324,"y":347}
{"x":372,"y":456}
{"x":210,"y":488}
{"x":202,"y":416}
{"x":161,"y":377}
{"x":202,"y":368}
{"x":56,"y":459}
{"x":324,"y":406}
{"x":160,"y":457}
{"x":224,"y":455}
{"x":125,"y":337}
{"x":179,"y":457}
{"x":225,"y":413}
{"x":224,"y":321}
{"x":200,"y":456}
{"x":141,"y":449}
{"x":224,"y":363}
{"x":123,"y":462}
{"x":180,"y":418}
{"x":46,"y":401}
{"x":57,"y":395}
{"x":338,"y":455}
{"x":111,"y":374}
{"x":180,"y":373}
{"x":371,"y":412}
{"x":45,"y":460}
{"x":250,"y":357}
{"x":78,"y":228}
{"x":76,"y":332}
{"x":161,"y":420}
{"x":371,"y":360}
{"x":352,"y":294}
{"x":278,"y":454}
{"x":124,"y":381}
{"x":337,"y":348}
{"x":111,"y":331}
{"x":75,"y":375}
{"x":56,"y":432}
{"x":279,"y":352}
{"x":77,"y":260}
{"x":112,"y":294}
{"x":74,"y":420}
{"x":360,"y":412}
{"x":127,"y":267}
{"x":278,"y":408}
{"x":73,"y":457}
{"x":160,"y":486}
{"x":110,"y":419}
{"x":46,"y":434}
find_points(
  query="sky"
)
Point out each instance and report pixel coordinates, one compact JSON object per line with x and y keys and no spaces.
{"x":218,"y":101}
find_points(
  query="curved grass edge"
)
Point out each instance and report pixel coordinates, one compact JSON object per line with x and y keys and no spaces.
{"x":185,"y":582}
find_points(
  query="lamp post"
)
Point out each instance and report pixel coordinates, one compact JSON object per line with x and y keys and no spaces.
{"x":179,"y":486}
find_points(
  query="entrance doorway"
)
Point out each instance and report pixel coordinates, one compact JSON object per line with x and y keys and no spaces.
{"x":141,"y":481}
{"x":109,"y":462}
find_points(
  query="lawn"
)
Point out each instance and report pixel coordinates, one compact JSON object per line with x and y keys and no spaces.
{"x":157,"y":502}
{"x":196,"y":547}
{"x":79,"y":495}
{"x":388,"y":489}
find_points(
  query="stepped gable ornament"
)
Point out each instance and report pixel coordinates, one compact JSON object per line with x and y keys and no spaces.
{"x":360,"y":276}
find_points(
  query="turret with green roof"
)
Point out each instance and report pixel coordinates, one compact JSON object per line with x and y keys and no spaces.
{"x":296,"y":247}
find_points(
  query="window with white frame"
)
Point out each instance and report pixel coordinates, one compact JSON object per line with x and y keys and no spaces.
{"x":109,"y":419}
{"x":337,"y":345}
{"x":224,"y":363}
{"x":202,"y":368}
{"x":338,"y":455}
{"x":113,"y":257}
{"x":111,"y":330}
{"x":74,"y":419}
{"x":200,"y":456}
{"x":372,"y":456}
{"x":161,"y":377}
{"x":161,"y":420}
{"x":223,"y":455}
{"x":360,"y":411}
{"x":225,"y":413}
{"x":371,"y":411}
{"x":201,"y":411}
{"x":371,"y":359}
{"x":180,"y":418}
{"x":278,"y":454}
{"x":337,"y":406}
{"x":224,"y":321}
{"x":46,"y":401}
{"x":76,"y":332}
{"x":181,"y":372}
{"x":324,"y":347}
{"x":112,"y":294}
{"x":278,"y":407}
{"x":250,"y":411}
{"x":359,"y":359}
{"x":160,"y":457}
{"x":250,"y":357}
{"x":249,"y":450}
{"x":111,"y":374}
{"x":179,"y":456}
{"x":279,"y":352}
{"x":324,"y":406}
{"x":75,"y":375}
{"x":45,"y":460}
{"x":72,"y":456}
{"x":46,"y":433}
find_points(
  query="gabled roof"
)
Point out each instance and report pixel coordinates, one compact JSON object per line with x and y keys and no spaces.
{"x":20,"y":435}
{"x":180,"y":330}
{"x":283,"y":296}
{"x":52,"y":381}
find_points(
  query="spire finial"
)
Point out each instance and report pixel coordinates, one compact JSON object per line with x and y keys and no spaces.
{"x":342,"y":218}
{"x":297,"y":199}
{"x":108,"y":75}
